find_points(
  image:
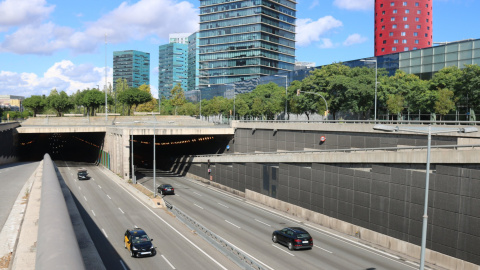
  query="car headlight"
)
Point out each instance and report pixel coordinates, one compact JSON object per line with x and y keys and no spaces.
{"x":151,"y":247}
{"x":134,"y":248}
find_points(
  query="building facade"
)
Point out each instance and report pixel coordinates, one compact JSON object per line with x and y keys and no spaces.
{"x":402,"y":25}
{"x":11,"y":103}
{"x":172,"y":67}
{"x":245,"y":39}
{"x":181,"y":38}
{"x":193,"y":62}
{"x":134,"y":66}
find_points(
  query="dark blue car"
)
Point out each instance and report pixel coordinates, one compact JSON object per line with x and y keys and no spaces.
{"x":293,"y":238}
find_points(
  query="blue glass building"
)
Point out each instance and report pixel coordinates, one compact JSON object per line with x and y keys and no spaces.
{"x":134,"y":66}
{"x":246,"y":39}
{"x":172,"y":67}
{"x":193,"y":62}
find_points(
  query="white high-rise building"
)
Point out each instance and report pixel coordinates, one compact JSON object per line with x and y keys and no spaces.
{"x":181,"y":38}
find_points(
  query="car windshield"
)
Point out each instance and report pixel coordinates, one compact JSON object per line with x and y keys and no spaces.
{"x":303,"y":236}
{"x":141,"y":239}
{"x":167,"y":186}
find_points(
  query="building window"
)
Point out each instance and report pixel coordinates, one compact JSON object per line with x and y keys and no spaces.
{"x":426,"y":5}
{"x":415,"y":34}
{"x":383,"y":26}
{"x":427,"y":20}
{"x":394,"y":26}
{"x":406,"y":26}
{"x":390,"y":34}
{"x":384,"y":42}
{"x":419,"y":12}
{"x":428,"y":13}
{"x":381,"y":20}
{"x":416,"y":4}
{"x":419,"y":26}
{"x":392,"y":19}
{"x":404,"y":41}
{"x":402,"y":34}
{"x":405,"y":49}
{"x":392,"y":4}
{"x":417,"y":19}
{"x":395,"y":41}
{"x":428,"y":27}
{"x":394,"y":49}
{"x":383,"y":49}
{"x":416,"y":41}
{"x":404,"y":19}
{"x":381,"y":35}
{"x":394,"y":11}
{"x":429,"y":43}
{"x":407,"y":11}
{"x":426,"y":35}
{"x":404,"y":4}
{"x":383,"y":12}
{"x":381,"y":5}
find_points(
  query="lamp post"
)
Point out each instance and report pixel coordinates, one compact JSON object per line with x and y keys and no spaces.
{"x":154,"y":160}
{"x":106,"y":107}
{"x":286,"y":92}
{"x":374,"y":61}
{"x":133,"y":169}
{"x":429,"y":131}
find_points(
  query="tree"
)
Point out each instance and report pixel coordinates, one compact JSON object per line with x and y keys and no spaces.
{"x":187,"y":109}
{"x":469,"y":85}
{"x":35,"y":103}
{"x":178,"y":97}
{"x":395,"y":104}
{"x":60,"y":102}
{"x":149,"y":106}
{"x":134,"y":97}
{"x":445,"y":102}
{"x":120,"y":86}
{"x":268,"y":100}
{"x":241,"y":106}
{"x":93,"y":99}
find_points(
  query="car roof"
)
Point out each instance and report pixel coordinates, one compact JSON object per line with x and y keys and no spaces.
{"x":137,"y":231}
{"x":298,"y":229}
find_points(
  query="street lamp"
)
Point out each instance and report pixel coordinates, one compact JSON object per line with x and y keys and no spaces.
{"x":429,"y":131}
{"x":375,"y":61}
{"x":234,"y":95}
{"x":286,"y":93}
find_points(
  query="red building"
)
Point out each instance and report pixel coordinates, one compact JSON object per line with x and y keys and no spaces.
{"x":402,"y":25}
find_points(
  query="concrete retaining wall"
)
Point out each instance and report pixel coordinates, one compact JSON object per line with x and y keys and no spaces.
{"x":8,"y":142}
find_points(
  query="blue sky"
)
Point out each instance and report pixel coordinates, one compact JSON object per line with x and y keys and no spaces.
{"x":46,"y":44}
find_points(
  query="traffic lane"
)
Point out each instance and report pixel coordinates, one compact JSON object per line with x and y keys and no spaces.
{"x":13,"y":177}
{"x":344,"y":249}
{"x":150,"y":223}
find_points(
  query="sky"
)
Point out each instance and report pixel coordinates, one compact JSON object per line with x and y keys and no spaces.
{"x":60,"y":44}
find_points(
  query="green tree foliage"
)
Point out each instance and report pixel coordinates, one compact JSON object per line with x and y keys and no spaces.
{"x":241,"y":105}
{"x":178,"y":96}
{"x":35,"y":103}
{"x":120,"y":86}
{"x":187,"y":108}
{"x":445,"y":102}
{"x":395,"y":104}
{"x":469,"y":86}
{"x":134,"y":97}
{"x":92,"y":99}
{"x":149,"y":106}
{"x":60,"y":102}
{"x":268,"y":100}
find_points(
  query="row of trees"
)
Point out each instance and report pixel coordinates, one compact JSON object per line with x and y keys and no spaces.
{"x":345,"y":90}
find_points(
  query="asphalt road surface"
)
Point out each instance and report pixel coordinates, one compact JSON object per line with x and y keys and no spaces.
{"x":108,"y":210}
{"x":249,"y":227}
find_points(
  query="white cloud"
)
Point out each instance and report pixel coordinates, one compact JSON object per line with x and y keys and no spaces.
{"x":354,"y":39}
{"x":63,"y":76}
{"x":310,"y":31}
{"x":314,"y":4}
{"x":126,"y":22}
{"x":326,"y":44}
{"x":23,"y":12}
{"x":355,"y":4}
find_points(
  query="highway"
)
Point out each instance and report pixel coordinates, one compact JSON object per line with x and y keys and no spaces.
{"x":13,"y":177}
{"x":249,"y":227}
{"x":108,"y":210}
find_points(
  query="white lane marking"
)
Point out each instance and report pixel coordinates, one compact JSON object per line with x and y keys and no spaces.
{"x":263,"y":223}
{"x":175,"y":230}
{"x":197,"y":194}
{"x":223,"y":205}
{"x":283,"y":250}
{"x":99,"y":186}
{"x":171,"y":265}
{"x":104,"y":233}
{"x":123,"y":265}
{"x":93,"y":213}
{"x":135,"y":226}
{"x":109,"y":197}
{"x":198,"y":206}
{"x":273,"y":213}
{"x":85,"y":198}
{"x":121,"y":210}
{"x":93,"y":179}
{"x":80,"y":188}
{"x":323,"y":249}
{"x":231,"y":223}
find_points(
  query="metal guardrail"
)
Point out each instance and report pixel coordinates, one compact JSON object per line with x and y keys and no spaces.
{"x":347,"y":150}
{"x":57,"y":246}
{"x":390,"y":122}
{"x":240,"y":258}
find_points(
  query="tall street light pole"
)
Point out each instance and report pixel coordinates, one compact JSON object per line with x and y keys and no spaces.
{"x":429,"y":131}
{"x":154,"y":160}
{"x":286,"y":92}
{"x":106,"y":108}
{"x":375,"y":61}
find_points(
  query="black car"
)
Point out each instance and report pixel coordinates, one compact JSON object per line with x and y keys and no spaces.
{"x":137,"y":241}
{"x":165,"y":189}
{"x":293,"y":237}
{"x":82,"y":174}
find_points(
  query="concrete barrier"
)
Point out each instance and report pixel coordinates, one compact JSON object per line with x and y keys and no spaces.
{"x":57,"y":246}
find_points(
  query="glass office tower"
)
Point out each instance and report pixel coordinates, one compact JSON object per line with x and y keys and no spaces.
{"x":193,"y":64}
{"x":172,"y":67}
{"x":241,"y":40}
{"x":134,"y":66}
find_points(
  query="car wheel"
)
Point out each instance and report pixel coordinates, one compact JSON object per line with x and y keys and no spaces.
{"x":274,"y":239}
{"x":290,"y":245}
{"x":154,"y":252}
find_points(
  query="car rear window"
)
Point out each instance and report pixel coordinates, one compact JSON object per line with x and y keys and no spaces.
{"x":303,"y":235}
